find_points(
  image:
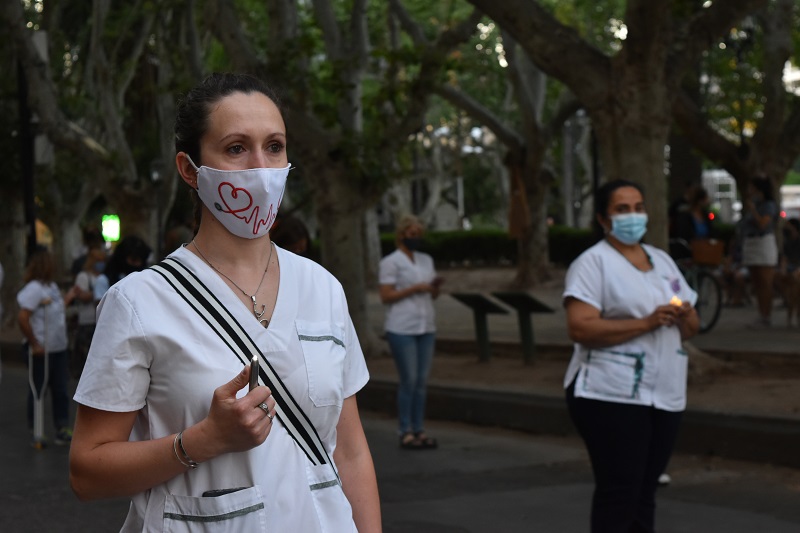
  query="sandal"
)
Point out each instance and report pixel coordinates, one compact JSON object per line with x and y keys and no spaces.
{"x":409,"y":441}
{"x":425,"y":441}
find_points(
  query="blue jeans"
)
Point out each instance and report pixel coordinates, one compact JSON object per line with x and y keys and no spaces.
{"x":58,"y":378}
{"x":413,"y":355}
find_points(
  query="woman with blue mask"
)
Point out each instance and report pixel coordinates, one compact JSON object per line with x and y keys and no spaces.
{"x":219,"y":389}
{"x":408,"y":286}
{"x":628,"y":308}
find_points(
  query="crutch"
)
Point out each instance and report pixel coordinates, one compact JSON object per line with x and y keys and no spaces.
{"x":38,"y":397}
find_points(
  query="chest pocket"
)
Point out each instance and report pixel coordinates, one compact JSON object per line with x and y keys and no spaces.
{"x":324,"y":353}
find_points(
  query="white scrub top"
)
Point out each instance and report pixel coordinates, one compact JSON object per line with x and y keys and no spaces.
{"x":86,"y":310}
{"x":152,"y":353}
{"x":649,"y":369}
{"x":50,"y":331}
{"x":413,"y":315}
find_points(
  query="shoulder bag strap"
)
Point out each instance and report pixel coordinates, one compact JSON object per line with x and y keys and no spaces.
{"x":211,"y":310}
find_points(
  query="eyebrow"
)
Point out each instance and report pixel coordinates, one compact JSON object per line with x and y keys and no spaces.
{"x":274,"y":135}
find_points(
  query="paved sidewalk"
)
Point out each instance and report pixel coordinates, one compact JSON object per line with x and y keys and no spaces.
{"x":731,"y":413}
{"x":730,"y":336}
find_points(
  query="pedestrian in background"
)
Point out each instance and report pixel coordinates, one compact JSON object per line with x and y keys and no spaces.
{"x":628,"y":309}
{"x":290,"y":233}
{"x":43,"y":323}
{"x":131,"y":254}
{"x":408,"y":286}
{"x":760,"y":215}
{"x":84,"y":294}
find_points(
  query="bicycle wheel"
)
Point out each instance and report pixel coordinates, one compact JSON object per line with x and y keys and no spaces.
{"x":709,"y":300}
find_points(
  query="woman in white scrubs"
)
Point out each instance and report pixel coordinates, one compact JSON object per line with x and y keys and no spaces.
{"x":628,"y":309}
{"x":408,"y":286}
{"x":165,"y":416}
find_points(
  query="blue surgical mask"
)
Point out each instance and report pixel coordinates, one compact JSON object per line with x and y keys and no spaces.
{"x":629,"y":228}
{"x":99,"y":266}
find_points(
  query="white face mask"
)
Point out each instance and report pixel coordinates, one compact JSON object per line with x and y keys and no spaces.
{"x":244,"y":201}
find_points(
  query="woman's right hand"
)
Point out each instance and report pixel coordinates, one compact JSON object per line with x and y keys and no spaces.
{"x":237,"y":424}
{"x":423,"y":287}
{"x":37,"y":350}
{"x":664,"y":315}
{"x":105,"y":464}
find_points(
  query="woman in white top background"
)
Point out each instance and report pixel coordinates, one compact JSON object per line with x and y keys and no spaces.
{"x":43,"y":322}
{"x":408,"y":285}
{"x":83,"y":292}
{"x":165,"y":415}
{"x":628,"y":308}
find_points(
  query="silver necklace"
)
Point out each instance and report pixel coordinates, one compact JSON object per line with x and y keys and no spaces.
{"x":252,"y":297}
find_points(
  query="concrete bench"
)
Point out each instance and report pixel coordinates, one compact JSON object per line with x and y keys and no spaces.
{"x":481,"y":307}
{"x":525,"y":305}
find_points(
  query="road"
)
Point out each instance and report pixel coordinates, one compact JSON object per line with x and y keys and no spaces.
{"x":479,"y":480}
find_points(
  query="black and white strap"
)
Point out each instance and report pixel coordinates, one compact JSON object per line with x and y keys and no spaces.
{"x":211,"y":310}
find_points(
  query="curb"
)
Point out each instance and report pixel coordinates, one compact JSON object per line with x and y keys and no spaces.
{"x":510,"y":349}
{"x":758,"y":439}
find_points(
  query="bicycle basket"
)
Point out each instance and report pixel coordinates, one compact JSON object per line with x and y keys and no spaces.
{"x":707,"y":251}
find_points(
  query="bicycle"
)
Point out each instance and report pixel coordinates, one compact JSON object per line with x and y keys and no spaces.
{"x":694,"y":261}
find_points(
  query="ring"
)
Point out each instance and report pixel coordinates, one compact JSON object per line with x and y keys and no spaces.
{"x":263,"y":406}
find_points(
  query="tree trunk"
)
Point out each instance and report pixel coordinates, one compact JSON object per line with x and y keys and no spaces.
{"x":632,"y":148}
{"x":341,"y":217}
{"x":13,"y":252}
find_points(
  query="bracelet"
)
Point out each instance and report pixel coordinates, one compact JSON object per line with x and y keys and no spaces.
{"x":185,"y":460}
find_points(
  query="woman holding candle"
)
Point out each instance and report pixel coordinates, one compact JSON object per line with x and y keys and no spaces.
{"x":628,"y":309}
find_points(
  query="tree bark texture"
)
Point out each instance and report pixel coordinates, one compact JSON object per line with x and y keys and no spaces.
{"x":628,"y":96}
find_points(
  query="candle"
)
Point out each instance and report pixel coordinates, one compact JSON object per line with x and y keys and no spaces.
{"x":676,"y":301}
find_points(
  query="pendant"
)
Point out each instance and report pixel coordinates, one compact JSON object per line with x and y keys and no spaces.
{"x":258,"y":315}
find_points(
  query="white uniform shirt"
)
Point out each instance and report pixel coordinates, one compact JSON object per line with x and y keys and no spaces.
{"x":413,"y":315}
{"x":86,"y":310}
{"x":152,"y":353}
{"x":649,"y":369}
{"x":52,"y":332}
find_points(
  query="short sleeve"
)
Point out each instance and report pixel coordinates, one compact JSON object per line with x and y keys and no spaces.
{"x":584,"y":280}
{"x":387,"y":271}
{"x":82,"y":281}
{"x":116,"y":376}
{"x":30,"y":296}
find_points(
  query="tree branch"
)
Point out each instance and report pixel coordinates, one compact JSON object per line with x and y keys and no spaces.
{"x":481,"y":114}
{"x":359,"y":43}
{"x":547,"y":41}
{"x":705,"y":29}
{"x":226,"y":27}
{"x":777,"y":49}
{"x":326,"y":18}
{"x":694,"y":125}
{"x":433,"y":57}
{"x":42,"y":92}
{"x":566,"y":109}
{"x":409,"y":25}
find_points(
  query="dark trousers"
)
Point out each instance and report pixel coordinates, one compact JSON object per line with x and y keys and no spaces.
{"x":629,"y":447}
{"x":57,"y":380}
